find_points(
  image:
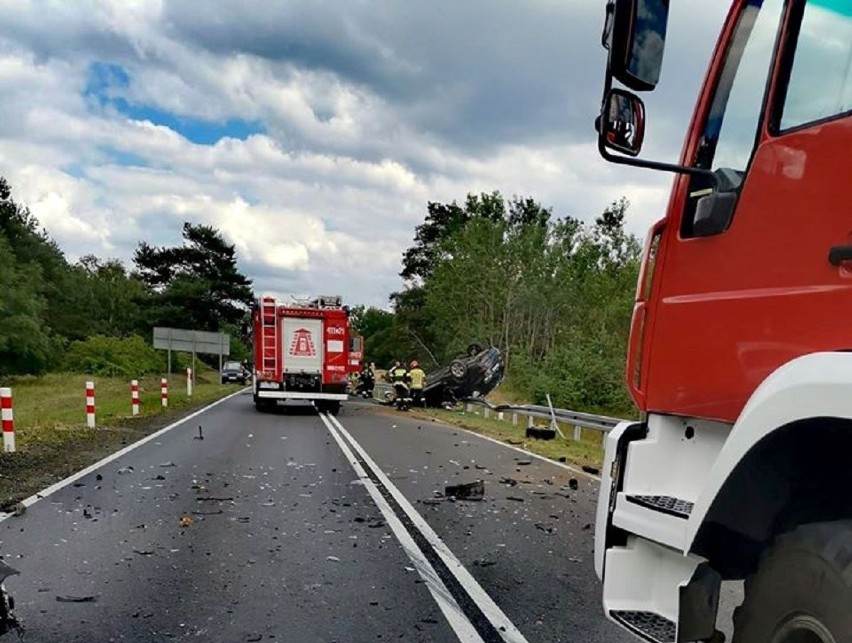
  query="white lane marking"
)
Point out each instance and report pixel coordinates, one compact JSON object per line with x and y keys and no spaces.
{"x":456,"y":618}
{"x":488,"y":607}
{"x":44,"y":493}
{"x":561,"y":465}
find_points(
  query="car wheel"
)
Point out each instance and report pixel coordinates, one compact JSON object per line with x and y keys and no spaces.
{"x":474,"y":349}
{"x":458,"y":370}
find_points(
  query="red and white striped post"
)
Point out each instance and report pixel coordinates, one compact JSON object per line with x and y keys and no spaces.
{"x":90,"y":405}
{"x":134,"y":397}
{"x":189,"y":382}
{"x":164,"y":391}
{"x":7,"y":419}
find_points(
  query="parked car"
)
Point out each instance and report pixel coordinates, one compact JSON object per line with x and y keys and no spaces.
{"x":472,"y":375}
{"x":234,"y":372}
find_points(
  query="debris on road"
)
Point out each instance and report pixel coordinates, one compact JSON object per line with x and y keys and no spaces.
{"x":143,"y":552}
{"x":573,"y":484}
{"x":563,"y":459}
{"x":127,"y":469}
{"x":524,"y":462}
{"x":544,"y":527}
{"x":76,"y":599}
{"x":515,"y":498}
{"x":79,"y":484}
{"x":593,"y":470}
{"x":158,"y":477}
{"x":254,"y":637}
{"x":333,"y":559}
{"x":186,"y":521}
{"x":484,"y":562}
{"x":168,"y":464}
{"x":468,"y":491}
{"x":200,"y":435}
{"x":509,"y":481}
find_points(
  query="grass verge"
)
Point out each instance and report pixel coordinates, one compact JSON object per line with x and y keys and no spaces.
{"x":51,"y":435}
{"x":587,"y":451}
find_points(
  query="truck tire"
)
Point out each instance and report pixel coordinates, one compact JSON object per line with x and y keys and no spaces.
{"x":333,"y":408}
{"x":802,"y":590}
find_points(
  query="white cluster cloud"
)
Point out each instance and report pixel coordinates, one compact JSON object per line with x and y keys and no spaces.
{"x":364,"y":114}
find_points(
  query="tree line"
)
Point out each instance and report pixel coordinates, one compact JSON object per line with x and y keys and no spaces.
{"x":554,"y":294}
{"x":94,"y":314}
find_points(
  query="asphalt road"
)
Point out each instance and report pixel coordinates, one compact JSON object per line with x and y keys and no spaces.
{"x":292,"y":527}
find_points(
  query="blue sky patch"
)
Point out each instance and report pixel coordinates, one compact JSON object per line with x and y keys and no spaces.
{"x":106,"y":82}
{"x":123,"y":157}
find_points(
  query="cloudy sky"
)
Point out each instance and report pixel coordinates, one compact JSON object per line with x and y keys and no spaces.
{"x":313,"y":133}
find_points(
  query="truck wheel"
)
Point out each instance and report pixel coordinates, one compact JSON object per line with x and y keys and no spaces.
{"x":802,"y":590}
{"x":333,"y":408}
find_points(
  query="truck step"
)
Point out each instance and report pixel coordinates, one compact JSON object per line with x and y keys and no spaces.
{"x":664,"y":504}
{"x":650,"y":626}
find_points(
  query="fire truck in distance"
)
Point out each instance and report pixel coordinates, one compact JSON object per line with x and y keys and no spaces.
{"x":301,"y":352}
{"x":740,"y":349}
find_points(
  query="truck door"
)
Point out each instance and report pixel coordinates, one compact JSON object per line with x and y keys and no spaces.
{"x":736,"y":303}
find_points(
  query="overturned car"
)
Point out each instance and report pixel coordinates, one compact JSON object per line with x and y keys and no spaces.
{"x":472,"y":375}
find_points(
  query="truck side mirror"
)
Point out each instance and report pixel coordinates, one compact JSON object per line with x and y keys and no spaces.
{"x":636,"y":32}
{"x":622,"y":122}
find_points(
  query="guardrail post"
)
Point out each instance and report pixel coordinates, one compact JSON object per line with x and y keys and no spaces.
{"x":500,"y":416}
{"x":164,"y":391}
{"x":7,"y":419}
{"x":134,"y":397}
{"x":530,"y":423}
{"x":90,"y":405}
{"x":514,"y":419}
{"x":486,"y":413}
{"x":578,"y":433}
{"x":468,"y":408}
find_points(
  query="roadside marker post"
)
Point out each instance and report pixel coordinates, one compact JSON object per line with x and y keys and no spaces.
{"x":164,"y":391}
{"x":134,"y":397}
{"x":189,"y":382}
{"x":90,"y":405}
{"x":8,"y":420}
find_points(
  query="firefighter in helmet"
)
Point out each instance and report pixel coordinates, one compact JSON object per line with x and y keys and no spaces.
{"x":399,"y":379}
{"x":418,"y":381}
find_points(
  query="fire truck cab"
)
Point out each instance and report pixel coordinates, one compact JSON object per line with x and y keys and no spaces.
{"x":740,"y":350}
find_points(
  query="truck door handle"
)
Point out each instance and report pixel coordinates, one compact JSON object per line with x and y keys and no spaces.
{"x":838,"y":254}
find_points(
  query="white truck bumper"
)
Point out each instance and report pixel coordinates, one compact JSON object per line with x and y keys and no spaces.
{"x":300,"y":395}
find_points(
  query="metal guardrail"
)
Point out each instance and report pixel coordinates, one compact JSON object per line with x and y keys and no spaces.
{"x":555,"y":416}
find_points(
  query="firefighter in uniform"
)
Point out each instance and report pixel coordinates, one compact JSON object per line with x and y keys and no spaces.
{"x":418,"y":380}
{"x":399,"y":379}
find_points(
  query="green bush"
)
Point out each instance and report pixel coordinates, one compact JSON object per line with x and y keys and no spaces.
{"x":114,"y":356}
{"x":579,"y":377}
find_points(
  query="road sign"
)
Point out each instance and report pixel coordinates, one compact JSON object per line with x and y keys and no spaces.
{"x":192,"y":341}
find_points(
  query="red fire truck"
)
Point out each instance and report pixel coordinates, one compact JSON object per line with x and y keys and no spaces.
{"x":301,"y":352}
{"x":740,"y":351}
